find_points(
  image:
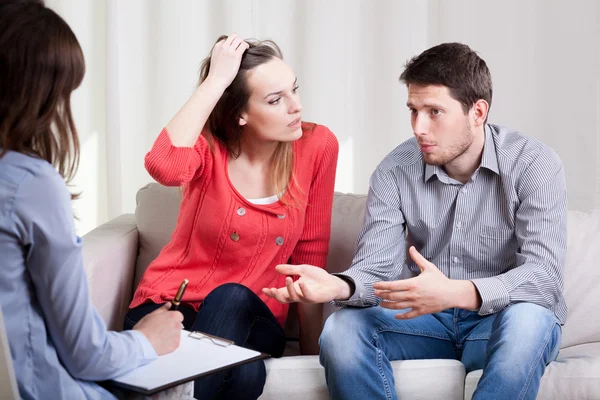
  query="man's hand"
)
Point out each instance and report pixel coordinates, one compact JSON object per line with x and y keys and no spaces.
{"x":315,"y":285}
{"x":429,"y":292}
{"x":162,"y":328}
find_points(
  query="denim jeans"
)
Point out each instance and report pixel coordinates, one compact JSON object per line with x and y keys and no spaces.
{"x":512,"y":347}
{"x":233,"y":312}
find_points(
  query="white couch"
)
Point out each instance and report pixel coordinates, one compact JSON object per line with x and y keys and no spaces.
{"x":117,"y":253}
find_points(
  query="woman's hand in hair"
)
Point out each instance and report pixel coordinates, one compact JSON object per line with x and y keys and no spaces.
{"x":225,"y":60}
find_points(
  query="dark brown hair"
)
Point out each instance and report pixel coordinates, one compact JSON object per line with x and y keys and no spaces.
{"x":223,"y":122}
{"x":455,"y":66}
{"x":41,"y":63}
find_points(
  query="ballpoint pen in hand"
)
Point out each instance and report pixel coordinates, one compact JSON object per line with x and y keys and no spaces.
{"x":177,"y":300}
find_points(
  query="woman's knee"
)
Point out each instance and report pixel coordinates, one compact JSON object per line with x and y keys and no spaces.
{"x":230,"y":298}
{"x":231,"y":289}
{"x":229,"y":309}
{"x":231,"y":293}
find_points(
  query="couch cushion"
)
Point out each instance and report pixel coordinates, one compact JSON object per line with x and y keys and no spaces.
{"x":582,"y":279}
{"x":110,"y":253}
{"x":302,"y":377}
{"x":156,"y":216}
{"x":574,"y":375}
{"x":346,"y":222}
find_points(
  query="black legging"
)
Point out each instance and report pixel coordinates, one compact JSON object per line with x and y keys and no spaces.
{"x":234,"y":312}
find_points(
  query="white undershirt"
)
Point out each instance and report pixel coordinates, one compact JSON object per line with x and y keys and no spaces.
{"x":264,"y":200}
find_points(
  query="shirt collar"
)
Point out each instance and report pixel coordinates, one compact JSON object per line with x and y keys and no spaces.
{"x":489,"y":160}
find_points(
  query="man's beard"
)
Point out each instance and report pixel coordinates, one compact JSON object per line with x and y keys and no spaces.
{"x":455,"y":151}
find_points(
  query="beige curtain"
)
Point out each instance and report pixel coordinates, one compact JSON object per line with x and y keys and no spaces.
{"x":143,"y":57}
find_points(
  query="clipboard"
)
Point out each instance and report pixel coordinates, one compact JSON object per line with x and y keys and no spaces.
{"x":198,"y":355}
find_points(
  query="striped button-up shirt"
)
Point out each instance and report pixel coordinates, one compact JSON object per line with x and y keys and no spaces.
{"x":505,"y":229}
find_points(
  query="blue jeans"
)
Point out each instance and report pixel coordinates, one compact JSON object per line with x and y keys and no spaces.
{"x":234,"y":312}
{"x":512,"y":347}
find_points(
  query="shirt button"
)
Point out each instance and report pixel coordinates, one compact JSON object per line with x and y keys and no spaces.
{"x":279,"y":240}
{"x":235,"y":237}
{"x":241,"y":211}
{"x":458,"y":224}
{"x":464,"y":190}
{"x":455,"y":259}
{"x":282,"y":216}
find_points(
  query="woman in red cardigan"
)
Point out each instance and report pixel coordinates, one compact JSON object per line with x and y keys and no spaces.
{"x":257,"y":192}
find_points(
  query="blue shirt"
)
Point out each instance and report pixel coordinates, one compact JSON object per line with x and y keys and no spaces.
{"x":58,"y":342}
{"x":505,"y":229}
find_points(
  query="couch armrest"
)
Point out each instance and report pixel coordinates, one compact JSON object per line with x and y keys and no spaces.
{"x":110,"y":252}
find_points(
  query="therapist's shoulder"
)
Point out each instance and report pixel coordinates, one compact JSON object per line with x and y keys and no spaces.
{"x":31,"y":180}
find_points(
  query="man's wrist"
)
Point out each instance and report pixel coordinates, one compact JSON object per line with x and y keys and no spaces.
{"x":465,"y":295}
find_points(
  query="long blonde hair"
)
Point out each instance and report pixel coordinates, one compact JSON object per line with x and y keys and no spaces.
{"x":223,"y":122}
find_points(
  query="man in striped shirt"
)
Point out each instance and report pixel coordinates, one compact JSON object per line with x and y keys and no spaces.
{"x":482,"y":211}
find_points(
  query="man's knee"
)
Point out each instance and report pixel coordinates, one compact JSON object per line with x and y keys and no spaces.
{"x":532,"y":332}
{"x":347,"y":333}
{"x":525,"y":320}
{"x":336,"y":327}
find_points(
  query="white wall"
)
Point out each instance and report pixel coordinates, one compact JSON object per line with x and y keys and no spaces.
{"x":88,"y":20}
{"x":143,"y":58}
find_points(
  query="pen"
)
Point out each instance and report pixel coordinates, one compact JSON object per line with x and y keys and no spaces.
{"x":177,"y":300}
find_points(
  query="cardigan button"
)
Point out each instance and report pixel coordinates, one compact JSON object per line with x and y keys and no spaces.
{"x":282,"y":216}
{"x":235,"y":237}
{"x":279,"y":240}
{"x":241,"y":211}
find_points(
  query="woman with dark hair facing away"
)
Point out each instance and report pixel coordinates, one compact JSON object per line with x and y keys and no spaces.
{"x":58,"y":342}
{"x":257,"y":192}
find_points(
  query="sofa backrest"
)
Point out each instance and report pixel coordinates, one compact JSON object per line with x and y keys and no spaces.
{"x":155,"y":216}
{"x":158,"y":207}
{"x":582,"y":279}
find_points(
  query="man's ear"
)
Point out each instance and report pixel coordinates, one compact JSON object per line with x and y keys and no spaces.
{"x":480,"y":111}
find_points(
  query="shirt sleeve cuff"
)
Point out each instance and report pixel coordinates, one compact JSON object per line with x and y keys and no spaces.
{"x":494,"y":296}
{"x":148,"y":352}
{"x":358,"y":297}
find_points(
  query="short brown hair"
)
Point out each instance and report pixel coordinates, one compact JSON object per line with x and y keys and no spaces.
{"x":455,"y":66}
{"x":41,"y":63}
